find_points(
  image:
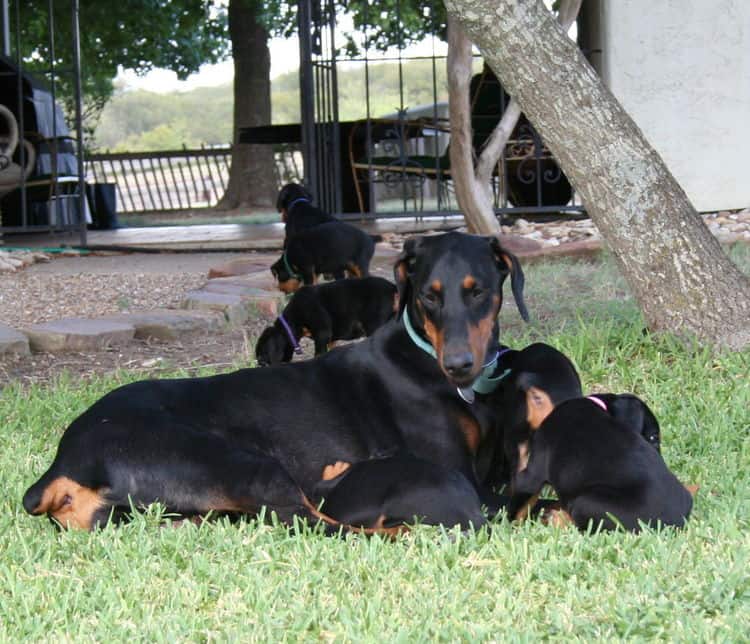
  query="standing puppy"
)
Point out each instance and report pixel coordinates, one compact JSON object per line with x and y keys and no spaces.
{"x":340,"y":310}
{"x":333,"y":248}
{"x":294,"y":203}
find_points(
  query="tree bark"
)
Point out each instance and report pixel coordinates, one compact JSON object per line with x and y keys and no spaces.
{"x":674,"y":266}
{"x":252,"y":179}
{"x":472,"y":185}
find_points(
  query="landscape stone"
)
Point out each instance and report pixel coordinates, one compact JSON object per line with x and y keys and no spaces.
{"x":12,"y":341}
{"x":78,"y":334}
{"x":232,"y":306}
{"x":268,"y":305}
{"x":236,"y":267}
{"x":263,"y":279}
{"x":170,"y":324}
{"x":232,"y":288}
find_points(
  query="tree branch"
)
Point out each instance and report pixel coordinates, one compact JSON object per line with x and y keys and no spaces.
{"x":474,"y":199}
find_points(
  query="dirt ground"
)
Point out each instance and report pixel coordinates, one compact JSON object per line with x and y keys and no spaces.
{"x":89,"y":286}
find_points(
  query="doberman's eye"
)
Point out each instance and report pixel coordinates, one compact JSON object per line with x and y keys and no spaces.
{"x":430,"y":298}
{"x":477,"y":293}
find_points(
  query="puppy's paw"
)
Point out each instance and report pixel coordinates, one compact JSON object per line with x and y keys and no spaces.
{"x":557,"y":518}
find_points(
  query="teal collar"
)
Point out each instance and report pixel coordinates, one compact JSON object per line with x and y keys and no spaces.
{"x":485,"y":383}
{"x":289,"y":268}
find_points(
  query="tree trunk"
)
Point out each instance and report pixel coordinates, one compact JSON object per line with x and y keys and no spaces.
{"x":474,"y":198}
{"x":675,"y":267}
{"x":473,"y":185}
{"x":252,"y":180}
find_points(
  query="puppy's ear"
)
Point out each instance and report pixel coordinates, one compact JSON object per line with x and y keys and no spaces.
{"x":508,"y":263}
{"x":281,"y":198}
{"x":538,"y":406}
{"x":633,"y":413}
{"x":403,"y":270}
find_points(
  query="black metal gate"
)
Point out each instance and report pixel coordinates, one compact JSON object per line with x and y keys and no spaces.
{"x":321,"y":133}
{"x":379,"y":162}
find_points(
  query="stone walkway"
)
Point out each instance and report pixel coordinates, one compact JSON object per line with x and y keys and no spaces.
{"x":221,"y":303}
{"x":243,"y":289}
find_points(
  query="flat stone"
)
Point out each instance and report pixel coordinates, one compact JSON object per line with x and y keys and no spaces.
{"x":232,"y":288}
{"x":268,"y":305}
{"x":263,"y":279}
{"x":78,"y":334}
{"x":263,"y":302}
{"x":13,"y":341}
{"x":585,"y":248}
{"x":170,"y":324}
{"x":519,"y":245}
{"x":236,"y":267}
{"x":232,"y":306}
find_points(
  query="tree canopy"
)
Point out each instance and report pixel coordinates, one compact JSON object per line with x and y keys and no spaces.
{"x":179,"y":35}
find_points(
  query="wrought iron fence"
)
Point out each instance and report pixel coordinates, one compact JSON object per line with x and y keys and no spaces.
{"x":175,"y":180}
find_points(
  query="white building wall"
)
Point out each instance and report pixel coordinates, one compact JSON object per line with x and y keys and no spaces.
{"x":681,"y":68}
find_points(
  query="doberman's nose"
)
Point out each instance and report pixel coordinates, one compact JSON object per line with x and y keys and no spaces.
{"x":458,"y":364}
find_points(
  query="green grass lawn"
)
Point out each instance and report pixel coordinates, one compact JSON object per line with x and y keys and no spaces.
{"x":196,"y":218}
{"x":254,"y":582}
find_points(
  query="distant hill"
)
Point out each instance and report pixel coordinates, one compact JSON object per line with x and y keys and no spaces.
{"x":140,"y":120}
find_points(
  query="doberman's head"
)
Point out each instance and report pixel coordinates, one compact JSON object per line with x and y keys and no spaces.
{"x":288,"y":282}
{"x":288,"y":194}
{"x":635,"y":414}
{"x":451,"y":287}
{"x":273,"y":347}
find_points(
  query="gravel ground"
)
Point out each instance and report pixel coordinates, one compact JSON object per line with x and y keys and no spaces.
{"x":91,"y":286}
{"x":88,"y":286}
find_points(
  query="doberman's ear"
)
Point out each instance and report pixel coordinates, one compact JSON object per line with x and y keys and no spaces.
{"x":508,"y":263}
{"x":538,"y":406}
{"x":402,"y":272}
{"x":282,"y":197}
{"x":636,"y":415}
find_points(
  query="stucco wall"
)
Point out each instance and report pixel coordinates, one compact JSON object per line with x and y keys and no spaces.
{"x":681,"y":68}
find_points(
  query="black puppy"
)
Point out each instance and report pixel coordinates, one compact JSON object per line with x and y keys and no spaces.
{"x":341,"y":310}
{"x":392,"y":492}
{"x":603,"y":470}
{"x":294,"y":203}
{"x":536,"y":374}
{"x":333,"y":248}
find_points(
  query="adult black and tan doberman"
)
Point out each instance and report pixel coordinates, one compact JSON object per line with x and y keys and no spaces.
{"x":261,"y":437}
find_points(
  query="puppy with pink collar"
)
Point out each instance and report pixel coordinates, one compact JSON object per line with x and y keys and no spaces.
{"x":601,"y":455}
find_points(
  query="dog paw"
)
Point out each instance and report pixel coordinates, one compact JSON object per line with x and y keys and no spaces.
{"x":557,"y":518}
{"x":337,"y":469}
